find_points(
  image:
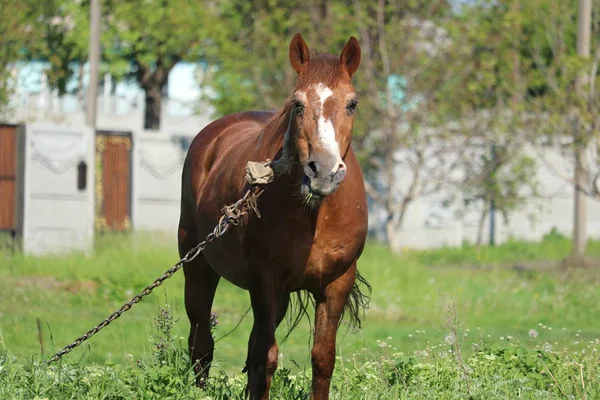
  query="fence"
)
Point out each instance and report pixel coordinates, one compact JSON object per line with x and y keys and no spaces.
{"x":59,"y":183}
{"x":54,"y":202}
{"x":433,"y":222}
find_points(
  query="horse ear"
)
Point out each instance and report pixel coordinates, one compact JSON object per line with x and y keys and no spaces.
{"x":299,"y":53}
{"x":350,"y":57}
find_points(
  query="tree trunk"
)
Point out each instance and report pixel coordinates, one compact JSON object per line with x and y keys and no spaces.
{"x":152,"y":110}
{"x":484,"y":214}
{"x":94,"y":61}
{"x":579,"y":216}
{"x":516,"y":61}
{"x":80,"y":88}
{"x":391,"y":233}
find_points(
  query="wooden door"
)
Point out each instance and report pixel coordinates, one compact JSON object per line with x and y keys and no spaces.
{"x":8,"y":177}
{"x":113,"y":181}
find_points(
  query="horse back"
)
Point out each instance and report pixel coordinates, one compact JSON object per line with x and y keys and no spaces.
{"x":220,"y":146}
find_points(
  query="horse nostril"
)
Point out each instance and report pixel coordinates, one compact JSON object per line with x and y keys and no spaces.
{"x":313,"y":167}
{"x":340,"y":173}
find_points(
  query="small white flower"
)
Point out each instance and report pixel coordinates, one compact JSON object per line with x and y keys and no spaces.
{"x":450,"y":339}
{"x":533,"y":333}
{"x":547,"y":347}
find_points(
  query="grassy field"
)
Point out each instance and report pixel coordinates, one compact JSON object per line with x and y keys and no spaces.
{"x":448,"y":323}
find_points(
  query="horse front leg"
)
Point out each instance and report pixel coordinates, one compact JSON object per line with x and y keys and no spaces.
{"x":263,"y":352}
{"x":330,"y":304}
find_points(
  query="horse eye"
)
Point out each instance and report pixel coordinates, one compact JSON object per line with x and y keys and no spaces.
{"x":351,"y":107}
{"x":298,"y":106}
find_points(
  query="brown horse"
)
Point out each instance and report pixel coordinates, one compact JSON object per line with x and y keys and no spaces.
{"x":313,"y":222}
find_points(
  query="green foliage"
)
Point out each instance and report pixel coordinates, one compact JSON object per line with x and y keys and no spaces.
{"x":249,"y":48}
{"x":520,"y":328}
{"x":71,"y":294}
{"x":65,"y":42}
{"x":153,"y":34}
{"x":505,"y":177}
{"x":19,"y":32}
{"x":504,"y":370}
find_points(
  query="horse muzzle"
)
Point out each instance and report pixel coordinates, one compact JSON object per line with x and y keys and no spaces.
{"x":319,"y":184}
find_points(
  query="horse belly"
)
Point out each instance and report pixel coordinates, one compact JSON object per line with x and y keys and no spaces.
{"x":227,"y":259}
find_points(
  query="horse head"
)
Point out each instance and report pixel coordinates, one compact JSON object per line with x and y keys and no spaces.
{"x":322,"y":107}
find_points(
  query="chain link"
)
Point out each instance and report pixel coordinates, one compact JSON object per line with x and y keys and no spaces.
{"x":232,"y":215}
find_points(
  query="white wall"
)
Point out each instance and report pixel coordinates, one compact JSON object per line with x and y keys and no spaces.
{"x":57,"y":216}
{"x":157,"y":165}
{"x":430,"y":224}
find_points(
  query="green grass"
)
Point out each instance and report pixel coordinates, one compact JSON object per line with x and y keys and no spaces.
{"x":496,"y":307}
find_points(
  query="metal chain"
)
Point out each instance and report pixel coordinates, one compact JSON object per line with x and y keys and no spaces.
{"x":231,"y":216}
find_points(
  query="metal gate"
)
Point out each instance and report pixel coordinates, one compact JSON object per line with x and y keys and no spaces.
{"x":8,"y":177}
{"x":113,"y":181}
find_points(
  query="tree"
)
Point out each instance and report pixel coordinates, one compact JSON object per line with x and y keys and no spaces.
{"x":18,"y":33}
{"x":154,"y":35}
{"x":569,"y":104}
{"x":141,"y":40}
{"x":408,"y":68}
{"x":248,"y":51}
{"x":499,"y":176}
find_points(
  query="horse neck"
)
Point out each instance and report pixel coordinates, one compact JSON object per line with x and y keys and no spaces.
{"x":272,"y":139}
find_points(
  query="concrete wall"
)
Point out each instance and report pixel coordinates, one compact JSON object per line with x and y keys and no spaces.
{"x":55,"y":215}
{"x":156,"y":170}
{"x":430,"y":223}
{"x":157,"y":165}
{"x":58,"y":217}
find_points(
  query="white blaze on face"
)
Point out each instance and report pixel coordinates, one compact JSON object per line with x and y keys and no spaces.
{"x":326,"y":130}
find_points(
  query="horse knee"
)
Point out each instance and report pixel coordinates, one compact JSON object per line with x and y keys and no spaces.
{"x":272,"y":359}
{"x":323,"y":361}
{"x":201,"y":343}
